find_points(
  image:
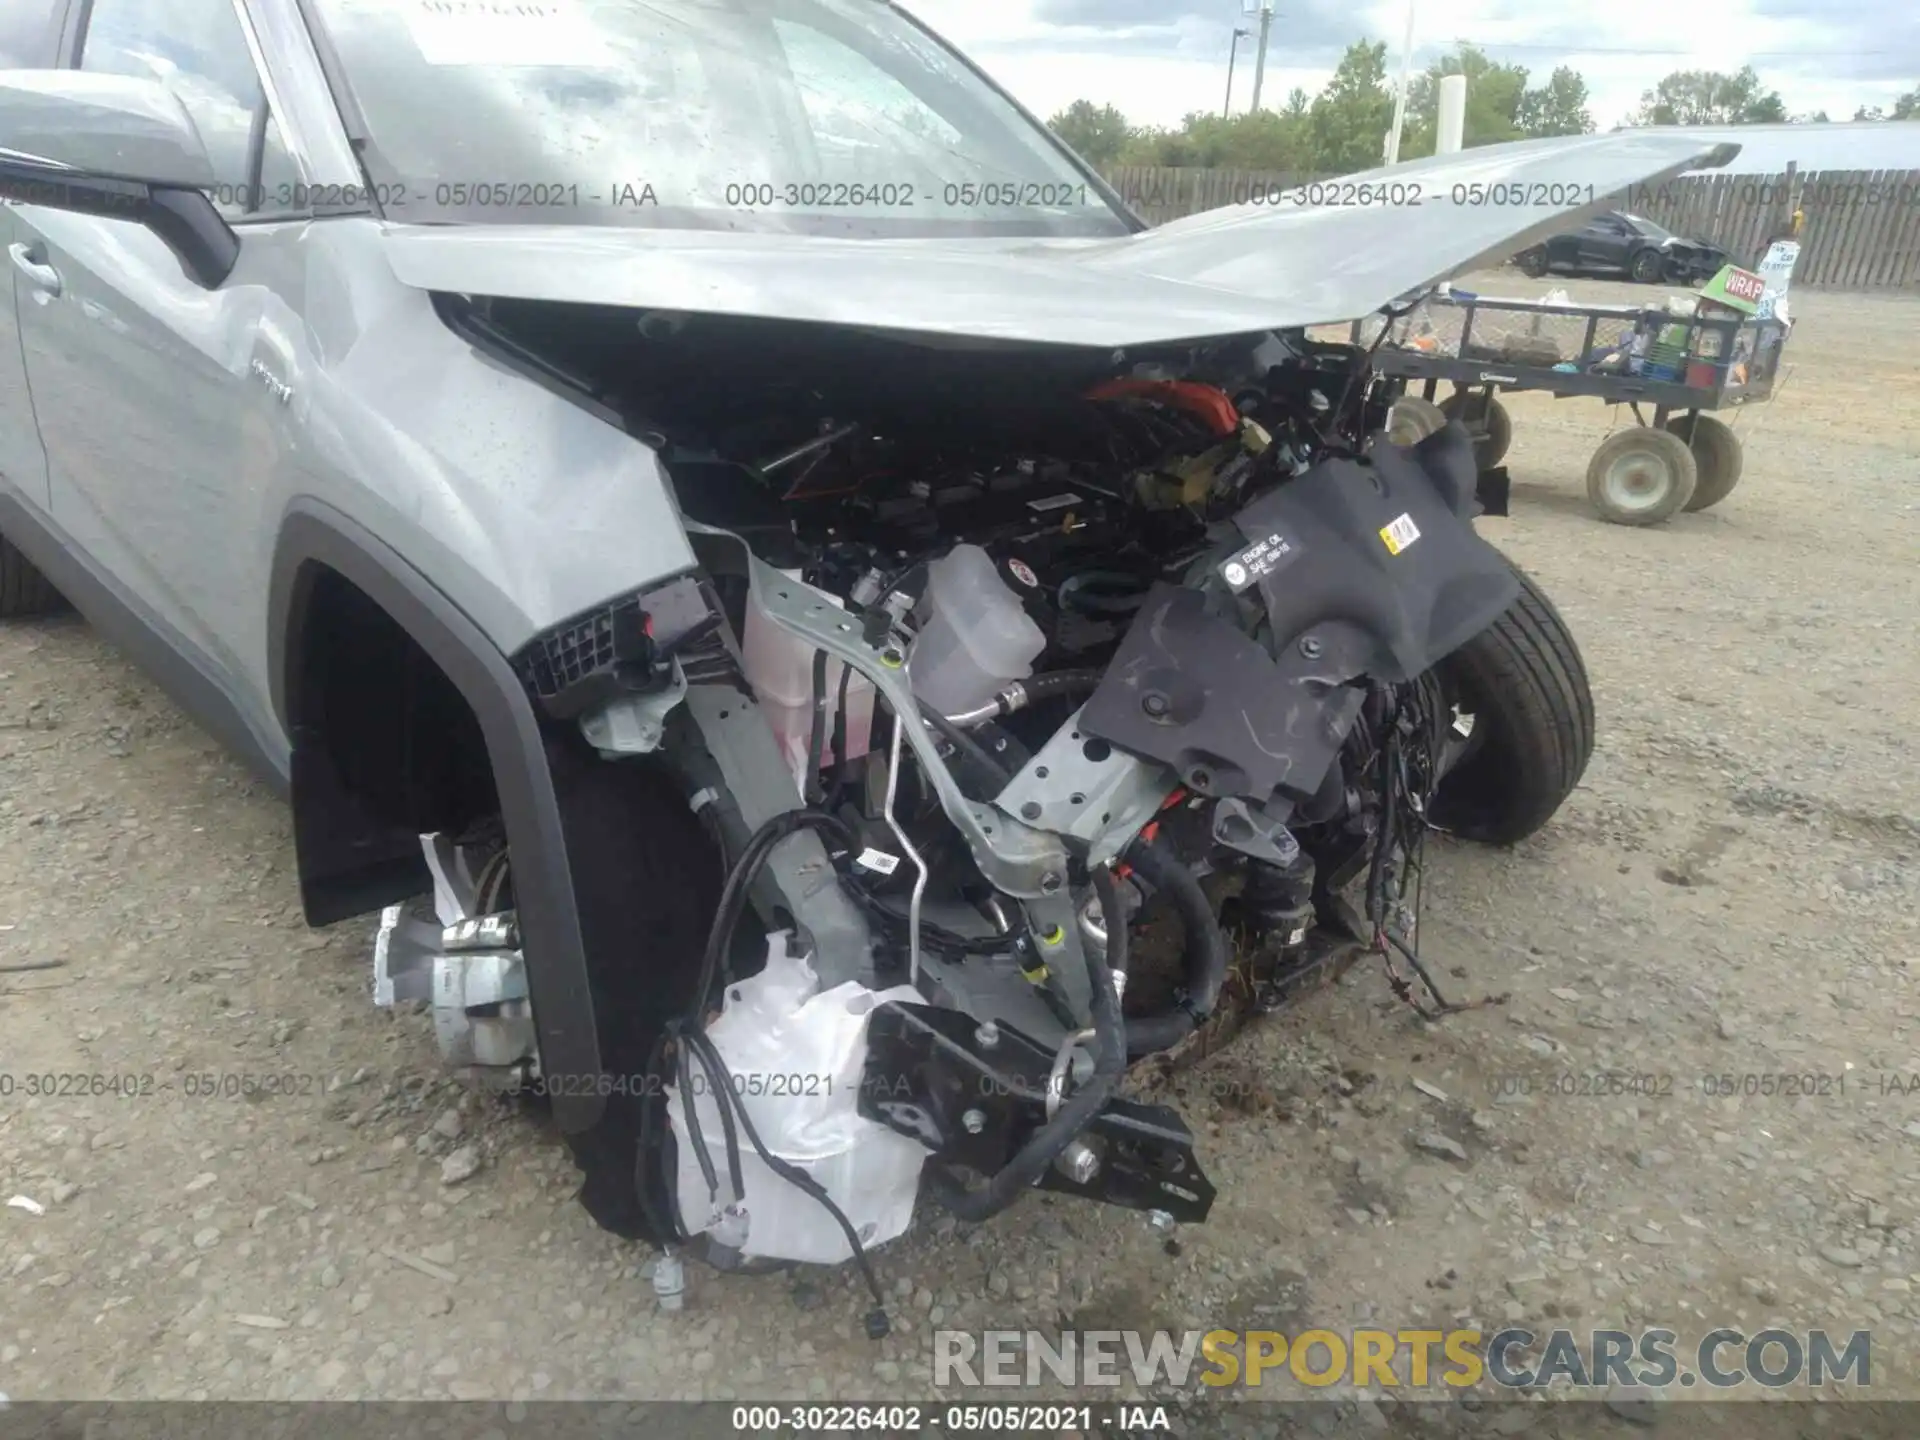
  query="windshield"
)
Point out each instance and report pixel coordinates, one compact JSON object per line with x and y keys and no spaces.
{"x":837,"y":117}
{"x":1647,"y":227}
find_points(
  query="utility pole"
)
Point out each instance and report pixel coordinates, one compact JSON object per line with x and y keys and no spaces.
{"x":1400,"y":95}
{"x":1260,"y":59}
{"x":1240,"y":32}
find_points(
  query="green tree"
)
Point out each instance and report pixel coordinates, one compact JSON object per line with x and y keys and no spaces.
{"x":1097,"y":133}
{"x":1907,"y":107}
{"x":1494,"y":93}
{"x":1558,"y":107}
{"x":1710,"y":97}
{"x":1348,"y":121}
{"x":1260,"y":140}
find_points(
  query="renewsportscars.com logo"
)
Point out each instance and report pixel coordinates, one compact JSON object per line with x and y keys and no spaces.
{"x":1514,"y":1358}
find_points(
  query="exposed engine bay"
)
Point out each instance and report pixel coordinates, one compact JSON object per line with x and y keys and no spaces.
{"x":1000,"y":662}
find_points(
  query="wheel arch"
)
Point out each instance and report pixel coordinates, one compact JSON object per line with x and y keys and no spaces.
{"x":351,"y":860}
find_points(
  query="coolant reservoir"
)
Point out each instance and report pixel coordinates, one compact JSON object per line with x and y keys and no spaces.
{"x":779,"y":666}
{"x":977,"y":639}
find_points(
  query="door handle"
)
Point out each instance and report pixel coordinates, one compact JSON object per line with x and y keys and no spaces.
{"x":31,"y":261}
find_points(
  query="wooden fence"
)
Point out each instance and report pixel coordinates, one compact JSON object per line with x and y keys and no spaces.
{"x":1861,"y":230}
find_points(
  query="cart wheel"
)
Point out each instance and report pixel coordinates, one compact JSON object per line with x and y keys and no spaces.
{"x":1490,"y":447}
{"x":1532,"y":261}
{"x":1649,"y":267}
{"x":1717,"y":457}
{"x":1412,"y":419}
{"x":1641,"y":476}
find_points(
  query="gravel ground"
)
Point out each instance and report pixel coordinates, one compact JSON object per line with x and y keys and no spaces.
{"x":1732,"y":892}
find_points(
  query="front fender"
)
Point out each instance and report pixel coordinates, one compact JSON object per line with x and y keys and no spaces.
{"x":314,"y":537}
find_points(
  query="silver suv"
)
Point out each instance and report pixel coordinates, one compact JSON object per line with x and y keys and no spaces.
{"x":762,"y":571}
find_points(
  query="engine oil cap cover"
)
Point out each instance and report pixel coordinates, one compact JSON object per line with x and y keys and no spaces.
{"x":1258,"y":560}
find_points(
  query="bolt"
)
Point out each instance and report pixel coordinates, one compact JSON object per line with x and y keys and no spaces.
{"x":1310,"y":647}
{"x":1078,"y":1162}
{"x":1155,"y":704}
{"x":1161,"y":1221}
{"x":1051,"y":882}
{"x":1030,"y":810}
{"x":987,"y":1036}
{"x":974,"y":1121}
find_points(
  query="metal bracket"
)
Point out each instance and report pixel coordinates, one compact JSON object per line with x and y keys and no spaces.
{"x":1239,"y":827}
{"x":634,"y":724}
{"x":1014,"y":857}
{"x":1087,"y":790}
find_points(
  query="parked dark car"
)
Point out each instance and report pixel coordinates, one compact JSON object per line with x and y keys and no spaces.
{"x":1616,"y":242}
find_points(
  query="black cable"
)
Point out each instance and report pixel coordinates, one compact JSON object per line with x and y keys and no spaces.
{"x":971,"y":750}
{"x":877,"y":1323}
{"x":1208,"y":956}
{"x":665,"y":1225}
{"x":837,"y":789}
{"x":693,"y":1038}
{"x":1055,"y":683}
{"x":815,"y":793}
{"x":932,"y":936}
{"x":733,"y":895}
{"x":729,"y":1134}
{"x":683,"y":1073}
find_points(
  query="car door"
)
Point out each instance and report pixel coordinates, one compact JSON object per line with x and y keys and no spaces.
{"x":1603,"y":243}
{"x":27,"y":40}
{"x":148,"y":388}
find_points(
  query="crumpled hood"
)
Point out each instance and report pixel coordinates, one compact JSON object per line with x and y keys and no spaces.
{"x":1239,"y":269}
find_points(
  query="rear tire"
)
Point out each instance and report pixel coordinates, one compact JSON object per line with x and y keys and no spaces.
{"x":1717,"y":457}
{"x":1532,"y":261}
{"x":1525,"y":684}
{"x":1641,"y":476}
{"x":23,"y":589}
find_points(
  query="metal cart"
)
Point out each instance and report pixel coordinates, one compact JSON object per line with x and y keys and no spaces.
{"x":1681,"y":366}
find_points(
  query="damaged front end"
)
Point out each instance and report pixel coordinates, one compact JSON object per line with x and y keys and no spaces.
{"x":1056,"y":704}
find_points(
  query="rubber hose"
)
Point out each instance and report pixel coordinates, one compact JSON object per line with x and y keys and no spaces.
{"x":1207,"y":954}
{"x":1055,"y":683}
{"x":988,"y":769}
{"x":1043,"y":1147}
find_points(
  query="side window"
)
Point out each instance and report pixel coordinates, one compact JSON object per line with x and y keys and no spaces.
{"x":197,"y":49}
{"x":26,"y":34}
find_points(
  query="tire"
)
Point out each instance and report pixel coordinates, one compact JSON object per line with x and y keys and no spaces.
{"x":1647,"y":267}
{"x":1718,"y":458}
{"x":1490,"y":448}
{"x":1412,"y":419}
{"x":1641,"y":476}
{"x":1525,"y":684}
{"x":23,"y":589}
{"x":1532,"y":261}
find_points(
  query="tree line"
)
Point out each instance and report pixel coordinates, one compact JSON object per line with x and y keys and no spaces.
{"x":1340,"y":129}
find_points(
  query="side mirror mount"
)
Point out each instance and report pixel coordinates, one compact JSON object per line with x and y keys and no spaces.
{"x":118,"y":148}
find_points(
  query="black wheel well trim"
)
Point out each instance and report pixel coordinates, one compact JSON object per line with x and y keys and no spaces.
{"x":313,"y":537}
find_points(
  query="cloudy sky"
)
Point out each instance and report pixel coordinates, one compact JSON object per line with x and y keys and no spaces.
{"x":1158,"y":59}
